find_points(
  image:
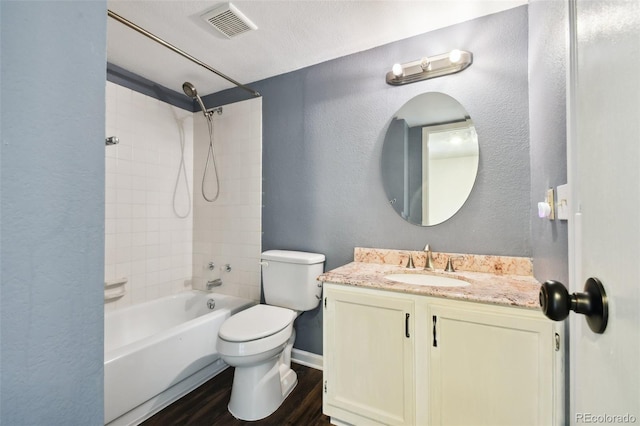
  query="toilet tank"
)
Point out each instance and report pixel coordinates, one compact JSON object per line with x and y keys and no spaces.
{"x":289,"y":279}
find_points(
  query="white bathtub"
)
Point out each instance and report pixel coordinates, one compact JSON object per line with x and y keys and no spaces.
{"x":158,"y":351}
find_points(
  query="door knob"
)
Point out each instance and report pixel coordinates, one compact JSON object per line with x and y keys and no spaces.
{"x":556,"y":302}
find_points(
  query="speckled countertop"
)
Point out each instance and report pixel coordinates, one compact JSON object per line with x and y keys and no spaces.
{"x":493,"y":279}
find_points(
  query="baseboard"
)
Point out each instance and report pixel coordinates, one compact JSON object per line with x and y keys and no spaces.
{"x":307,"y":359}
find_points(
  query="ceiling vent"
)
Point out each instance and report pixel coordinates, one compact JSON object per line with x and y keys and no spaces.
{"x":229,"y":20}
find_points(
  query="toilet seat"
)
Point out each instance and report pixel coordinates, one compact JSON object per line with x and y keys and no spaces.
{"x":261,"y":348}
{"x":255,"y":323}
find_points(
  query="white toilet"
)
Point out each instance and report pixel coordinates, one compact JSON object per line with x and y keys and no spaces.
{"x":258,"y":341}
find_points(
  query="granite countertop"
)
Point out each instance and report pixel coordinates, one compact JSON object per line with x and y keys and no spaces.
{"x":485,"y":287}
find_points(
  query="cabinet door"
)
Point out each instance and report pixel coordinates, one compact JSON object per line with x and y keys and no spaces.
{"x":368,"y":357}
{"x":490,"y":369}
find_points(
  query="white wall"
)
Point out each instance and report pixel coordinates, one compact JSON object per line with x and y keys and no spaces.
{"x":145,"y":239}
{"x":228,"y":231}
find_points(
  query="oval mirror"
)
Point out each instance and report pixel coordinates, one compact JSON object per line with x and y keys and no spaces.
{"x":429,"y":159}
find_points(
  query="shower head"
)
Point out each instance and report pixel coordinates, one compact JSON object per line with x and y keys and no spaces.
{"x":190,"y":90}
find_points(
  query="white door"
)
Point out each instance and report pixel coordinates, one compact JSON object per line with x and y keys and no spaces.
{"x":604,"y":171}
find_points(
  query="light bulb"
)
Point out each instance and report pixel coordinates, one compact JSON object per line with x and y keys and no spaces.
{"x":397,"y":70}
{"x":455,"y":55}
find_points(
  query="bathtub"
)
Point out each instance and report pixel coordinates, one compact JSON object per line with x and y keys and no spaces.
{"x":156,"y":352}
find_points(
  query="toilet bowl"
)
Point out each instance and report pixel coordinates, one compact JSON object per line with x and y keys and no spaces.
{"x":258,"y":341}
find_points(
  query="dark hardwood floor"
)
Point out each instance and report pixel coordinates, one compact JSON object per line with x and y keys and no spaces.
{"x":207,"y":405}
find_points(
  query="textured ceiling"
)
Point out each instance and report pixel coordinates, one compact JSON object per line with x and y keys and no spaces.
{"x":290,"y":35}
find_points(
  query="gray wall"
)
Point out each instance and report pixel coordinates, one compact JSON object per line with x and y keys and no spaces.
{"x":394,"y":155}
{"x":548,"y":31}
{"x":414,"y":161}
{"x":322,"y":137}
{"x":52,"y":211}
{"x":122,"y":77}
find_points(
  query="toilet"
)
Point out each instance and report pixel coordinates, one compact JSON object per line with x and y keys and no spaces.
{"x":258,"y":340}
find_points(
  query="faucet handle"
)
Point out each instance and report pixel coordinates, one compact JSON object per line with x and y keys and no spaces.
{"x":449,"y":267}
{"x":410,"y":262}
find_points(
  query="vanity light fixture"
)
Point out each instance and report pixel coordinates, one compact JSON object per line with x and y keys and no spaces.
{"x":429,"y":67}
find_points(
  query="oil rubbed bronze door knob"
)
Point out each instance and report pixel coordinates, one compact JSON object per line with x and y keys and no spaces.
{"x":556,"y":303}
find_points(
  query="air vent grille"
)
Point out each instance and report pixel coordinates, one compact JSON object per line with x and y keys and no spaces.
{"x":229,"y":20}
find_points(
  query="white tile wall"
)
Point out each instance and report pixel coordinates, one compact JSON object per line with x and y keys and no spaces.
{"x":148,"y":217}
{"x":228,"y":231}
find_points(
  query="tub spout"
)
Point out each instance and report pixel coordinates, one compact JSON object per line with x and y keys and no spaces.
{"x":215,"y":283}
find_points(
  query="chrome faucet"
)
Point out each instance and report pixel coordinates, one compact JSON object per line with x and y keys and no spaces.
{"x":218,"y":281}
{"x":214,"y":283}
{"x":428,"y":263}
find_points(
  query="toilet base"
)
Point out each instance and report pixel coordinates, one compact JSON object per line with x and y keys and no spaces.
{"x":259,"y":390}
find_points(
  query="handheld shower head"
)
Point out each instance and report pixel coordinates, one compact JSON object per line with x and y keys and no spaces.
{"x":190,"y":90}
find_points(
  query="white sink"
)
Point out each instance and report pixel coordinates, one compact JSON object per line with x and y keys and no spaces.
{"x":427,"y":280}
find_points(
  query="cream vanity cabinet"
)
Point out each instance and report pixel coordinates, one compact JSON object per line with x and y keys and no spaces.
{"x":490,"y":365}
{"x":402,"y":359}
{"x":368,"y":356}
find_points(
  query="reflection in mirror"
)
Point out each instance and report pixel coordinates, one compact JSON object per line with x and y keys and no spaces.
{"x":429,"y":159}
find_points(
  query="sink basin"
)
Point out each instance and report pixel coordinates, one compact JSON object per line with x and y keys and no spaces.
{"x":427,"y":280}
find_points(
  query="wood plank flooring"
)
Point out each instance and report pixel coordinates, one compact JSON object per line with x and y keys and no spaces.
{"x":207,"y":405}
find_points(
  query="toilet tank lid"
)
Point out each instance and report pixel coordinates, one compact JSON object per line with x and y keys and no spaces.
{"x":288,"y":256}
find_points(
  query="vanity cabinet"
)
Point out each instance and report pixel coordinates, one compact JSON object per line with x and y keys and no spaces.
{"x":368,"y":357}
{"x":448,"y":362}
{"x":490,"y":366}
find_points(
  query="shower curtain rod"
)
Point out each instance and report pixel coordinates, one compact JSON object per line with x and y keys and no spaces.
{"x":177,"y":50}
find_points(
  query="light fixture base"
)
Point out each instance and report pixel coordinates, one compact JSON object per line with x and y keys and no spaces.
{"x":439,"y":65}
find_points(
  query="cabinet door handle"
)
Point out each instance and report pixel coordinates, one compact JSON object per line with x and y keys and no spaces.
{"x":406,"y":325}
{"x":435,"y":337}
